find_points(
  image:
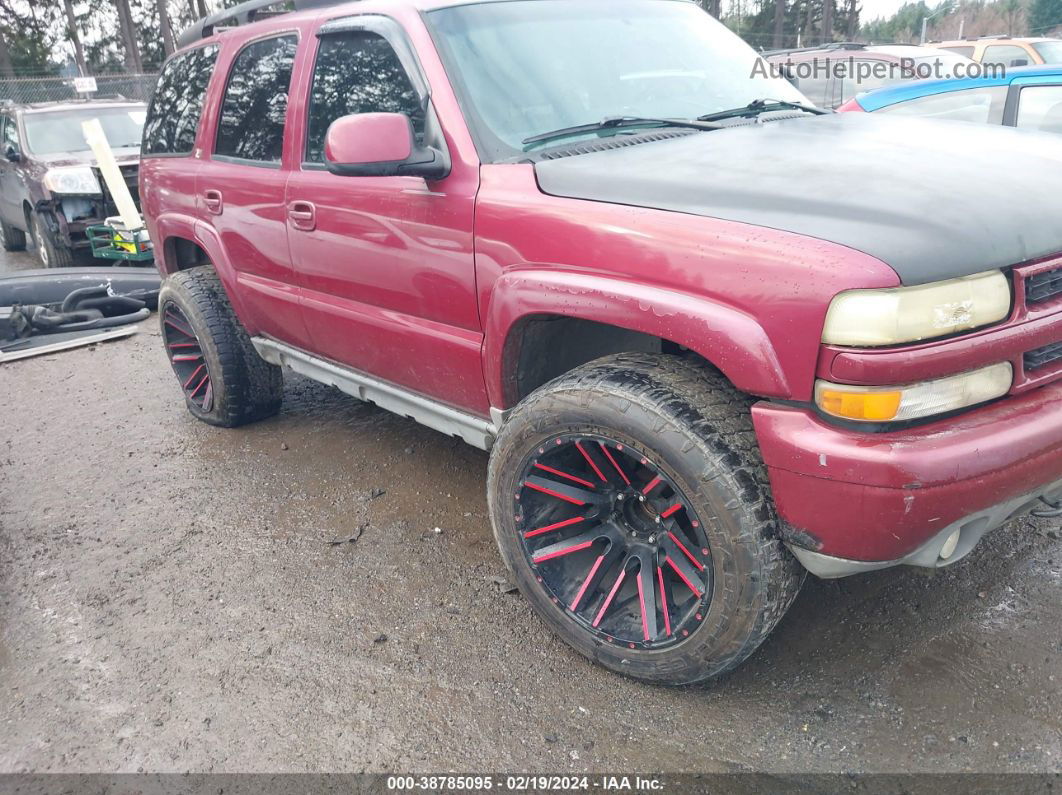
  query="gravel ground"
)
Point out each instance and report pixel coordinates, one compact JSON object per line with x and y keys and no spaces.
{"x":170,"y":601}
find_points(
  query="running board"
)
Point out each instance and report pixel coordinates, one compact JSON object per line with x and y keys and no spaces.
{"x":474,"y":430}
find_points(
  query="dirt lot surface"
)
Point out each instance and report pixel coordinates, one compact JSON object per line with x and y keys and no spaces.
{"x":170,"y":601}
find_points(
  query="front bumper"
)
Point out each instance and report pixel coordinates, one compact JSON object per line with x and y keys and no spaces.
{"x":853,"y":501}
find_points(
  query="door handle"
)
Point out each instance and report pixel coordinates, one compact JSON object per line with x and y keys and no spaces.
{"x":303,"y":215}
{"x":213,"y":202}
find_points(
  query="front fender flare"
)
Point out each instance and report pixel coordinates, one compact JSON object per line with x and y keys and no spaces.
{"x":729,"y":338}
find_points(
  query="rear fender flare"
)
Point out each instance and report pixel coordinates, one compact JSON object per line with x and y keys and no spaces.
{"x":204,"y":236}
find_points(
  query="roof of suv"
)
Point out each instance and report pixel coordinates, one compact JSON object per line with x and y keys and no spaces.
{"x":993,"y":39}
{"x":244,"y":14}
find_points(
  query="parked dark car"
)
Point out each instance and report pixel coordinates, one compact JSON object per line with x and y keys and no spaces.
{"x":50,"y":187}
{"x":712,"y":337}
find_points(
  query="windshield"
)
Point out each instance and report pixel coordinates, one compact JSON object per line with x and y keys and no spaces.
{"x":531,"y":66}
{"x":1050,"y":51}
{"x":56,"y":132}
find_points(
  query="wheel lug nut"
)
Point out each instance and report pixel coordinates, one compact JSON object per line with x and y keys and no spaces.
{"x":658,"y":520}
{"x":620,"y":497}
{"x":641,"y":498}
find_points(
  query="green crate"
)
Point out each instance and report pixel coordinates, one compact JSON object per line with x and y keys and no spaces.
{"x":102,"y":239}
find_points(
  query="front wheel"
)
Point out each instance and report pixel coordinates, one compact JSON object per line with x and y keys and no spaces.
{"x":630,"y":501}
{"x":50,"y":251}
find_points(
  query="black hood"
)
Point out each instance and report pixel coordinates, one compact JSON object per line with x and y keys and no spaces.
{"x":933,"y":200}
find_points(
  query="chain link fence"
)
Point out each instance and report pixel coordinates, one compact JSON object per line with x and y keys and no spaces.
{"x":22,"y":90}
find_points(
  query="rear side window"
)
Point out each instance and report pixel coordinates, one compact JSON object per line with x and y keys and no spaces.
{"x":177,"y":103}
{"x":256,"y":101}
{"x":357,"y":72}
{"x":966,"y":52}
{"x":1005,"y":55}
{"x":982,"y":105}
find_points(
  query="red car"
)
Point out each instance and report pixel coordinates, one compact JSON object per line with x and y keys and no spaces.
{"x":589,"y":238}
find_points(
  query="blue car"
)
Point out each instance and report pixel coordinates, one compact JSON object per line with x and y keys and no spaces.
{"x":1026,"y":97}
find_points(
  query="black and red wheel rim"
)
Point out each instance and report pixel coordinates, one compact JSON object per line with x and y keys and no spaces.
{"x":613,"y":541}
{"x":186,"y":357}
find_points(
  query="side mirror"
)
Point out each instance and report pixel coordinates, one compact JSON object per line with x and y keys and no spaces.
{"x":12,"y":153}
{"x":380,"y":145}
{"x":1020,"y":62}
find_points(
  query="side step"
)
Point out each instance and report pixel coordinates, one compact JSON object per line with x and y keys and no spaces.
{"x":438,"y":416}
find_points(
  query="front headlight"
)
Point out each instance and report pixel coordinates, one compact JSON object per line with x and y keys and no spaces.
{"x":894,"y":403}
{"x":71,"y":179}
{"x":907,"y":314}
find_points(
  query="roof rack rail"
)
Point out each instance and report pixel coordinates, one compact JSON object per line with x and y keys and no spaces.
{"x":832,"y":45}
{"x":244,"y":14}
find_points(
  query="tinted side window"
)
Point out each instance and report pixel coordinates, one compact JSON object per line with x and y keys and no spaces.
{"x":966,"y":52}
{"x":256,"y":101}
{"x":1040,"y":108}
{"x":1005,"y":55}
{"x":10,"y":132}
{"x":357,"y":72}
{"x":867,"y":75}
{"x":813,"y":86}
{"x":177,"y":103}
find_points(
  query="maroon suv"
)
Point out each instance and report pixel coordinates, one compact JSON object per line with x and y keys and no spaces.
{"x":711,"y":336}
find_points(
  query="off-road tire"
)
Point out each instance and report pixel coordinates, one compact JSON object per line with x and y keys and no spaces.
{"x":51,"y":252}
{"x":698,"y":428}
{"x":12,"y":239}
{"x":246,"y":388}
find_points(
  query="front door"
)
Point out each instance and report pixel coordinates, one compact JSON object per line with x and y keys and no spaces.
{"x":385,"y":263}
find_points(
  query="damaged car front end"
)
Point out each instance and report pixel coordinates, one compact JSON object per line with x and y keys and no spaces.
{"x":52,"y":191}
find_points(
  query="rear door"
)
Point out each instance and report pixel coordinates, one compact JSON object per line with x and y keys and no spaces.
{"x":386,"y":263}
{"x":240,"y":191}
{"x":169,"y":162}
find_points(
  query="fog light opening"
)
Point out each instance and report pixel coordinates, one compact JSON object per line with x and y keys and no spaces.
{"x":948,"y":549}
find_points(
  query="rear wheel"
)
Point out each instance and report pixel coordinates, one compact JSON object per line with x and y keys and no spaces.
{"x":10,"y":238}
{"x":224,"y":380}
{"x":630,"y":501}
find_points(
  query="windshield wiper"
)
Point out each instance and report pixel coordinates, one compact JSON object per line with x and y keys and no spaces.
{"x":615,"y":122}
{"x":758,"y":106}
